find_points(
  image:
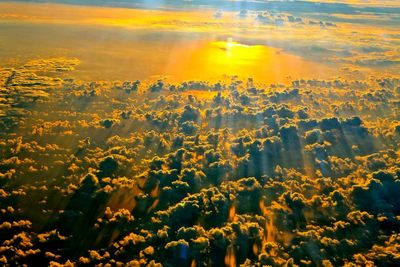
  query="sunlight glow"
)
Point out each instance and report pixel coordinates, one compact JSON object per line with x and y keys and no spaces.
{"x":213,"y":59}
{"x":237,"y":53}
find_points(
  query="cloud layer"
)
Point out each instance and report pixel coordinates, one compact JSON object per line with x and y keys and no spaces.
{"x":198,"y":173}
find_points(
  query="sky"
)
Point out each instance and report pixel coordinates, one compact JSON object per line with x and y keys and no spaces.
{"x":267,"y":40}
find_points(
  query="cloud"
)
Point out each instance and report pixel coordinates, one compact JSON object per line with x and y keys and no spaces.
{"x":200,"y":173}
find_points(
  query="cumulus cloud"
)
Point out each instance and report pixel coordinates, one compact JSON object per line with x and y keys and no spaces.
{"x":150,"y":173}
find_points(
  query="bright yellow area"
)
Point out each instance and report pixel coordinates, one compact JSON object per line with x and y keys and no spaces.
{"x":231,"y":52}
{"x":211,"y":60}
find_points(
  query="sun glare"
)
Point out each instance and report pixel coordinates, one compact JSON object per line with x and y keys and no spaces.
{"x":236,"y":53}
{"x":213,"y":59}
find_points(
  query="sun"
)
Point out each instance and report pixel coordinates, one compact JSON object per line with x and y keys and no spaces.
{"x":235,"y":53}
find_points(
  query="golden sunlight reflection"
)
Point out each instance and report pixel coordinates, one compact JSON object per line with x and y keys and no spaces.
{"x":230,"y":258}
{"x":213,"y":59}
{"x":270,"y":231}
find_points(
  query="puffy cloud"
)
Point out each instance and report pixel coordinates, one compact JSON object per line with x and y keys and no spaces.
{"x":379,"y":194}
{"x":252,"y":174}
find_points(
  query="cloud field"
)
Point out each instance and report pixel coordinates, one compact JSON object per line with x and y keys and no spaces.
{"x":265,"y":136}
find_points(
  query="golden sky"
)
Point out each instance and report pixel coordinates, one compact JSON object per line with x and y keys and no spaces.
{"x":124,"y":43}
